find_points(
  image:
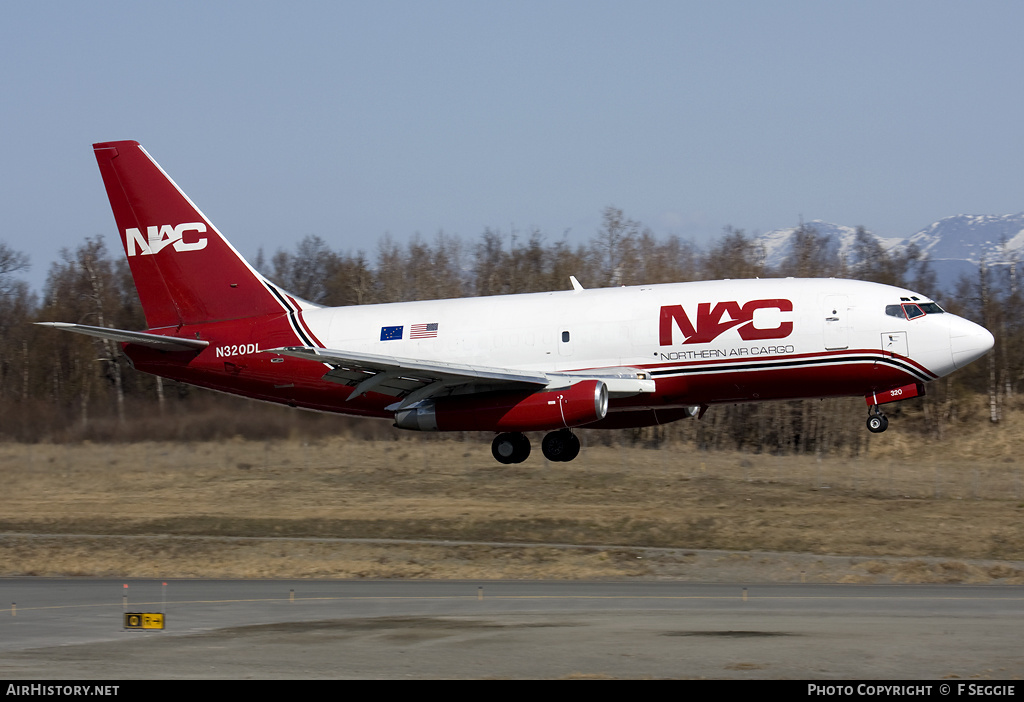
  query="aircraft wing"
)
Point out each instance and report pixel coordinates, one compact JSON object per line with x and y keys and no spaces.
{"x":156,"y":341}
{"x":416,"y":379}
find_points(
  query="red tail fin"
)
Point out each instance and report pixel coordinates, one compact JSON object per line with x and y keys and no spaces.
{"x":184,"y":270}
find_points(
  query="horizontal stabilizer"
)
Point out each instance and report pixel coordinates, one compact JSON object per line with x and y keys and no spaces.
{"x":156,"y":341}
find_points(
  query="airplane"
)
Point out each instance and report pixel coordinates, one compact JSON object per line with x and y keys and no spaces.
{"x":547,"y":362}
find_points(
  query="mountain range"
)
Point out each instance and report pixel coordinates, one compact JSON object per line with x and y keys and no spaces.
{"x":954,"y":246}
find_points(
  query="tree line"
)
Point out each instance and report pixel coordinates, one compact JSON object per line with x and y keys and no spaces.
{"x":56,"y":386}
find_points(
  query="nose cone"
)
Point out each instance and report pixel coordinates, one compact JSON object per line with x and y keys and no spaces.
{"x":968,"y":341}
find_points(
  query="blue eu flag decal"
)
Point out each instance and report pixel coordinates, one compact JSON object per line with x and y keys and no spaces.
{"x":390,"y":333}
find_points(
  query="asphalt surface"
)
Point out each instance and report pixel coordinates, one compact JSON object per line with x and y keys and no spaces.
{"x":308,"y":629}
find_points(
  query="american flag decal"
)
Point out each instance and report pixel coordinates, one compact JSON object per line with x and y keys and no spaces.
{"x":423,"y":331}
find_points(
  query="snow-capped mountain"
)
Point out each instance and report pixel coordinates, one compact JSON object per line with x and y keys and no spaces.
{"x":954,"y":245}
{"x":778,"y":244}
{"x":997,"y":239}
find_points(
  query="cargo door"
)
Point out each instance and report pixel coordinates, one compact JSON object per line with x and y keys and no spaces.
{"x":837,"y":322}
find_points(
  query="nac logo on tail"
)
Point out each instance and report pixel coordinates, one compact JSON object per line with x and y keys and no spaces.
{"x":159,"y":237}
{"x":711,"y":322}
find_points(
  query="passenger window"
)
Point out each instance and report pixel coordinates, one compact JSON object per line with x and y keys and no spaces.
{"x":565,"y":336}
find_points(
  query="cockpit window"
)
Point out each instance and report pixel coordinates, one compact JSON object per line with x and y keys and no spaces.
{"x":913,"y":310}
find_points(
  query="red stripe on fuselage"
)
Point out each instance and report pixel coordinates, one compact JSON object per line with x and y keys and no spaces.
{"x":855,"y":355}
{"x":300,"y":383}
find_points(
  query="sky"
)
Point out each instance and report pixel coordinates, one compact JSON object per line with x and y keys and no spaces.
{"x":356,"y":120}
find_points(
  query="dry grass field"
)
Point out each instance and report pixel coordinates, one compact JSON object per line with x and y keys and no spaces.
{"x":911,"y":510}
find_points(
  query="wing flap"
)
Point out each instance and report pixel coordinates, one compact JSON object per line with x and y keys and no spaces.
{"x":621,"y":382}
{"x":405,"y":377}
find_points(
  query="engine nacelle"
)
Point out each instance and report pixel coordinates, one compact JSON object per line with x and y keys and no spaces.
{"x":644,"y":418}
{"x":579,"y":404}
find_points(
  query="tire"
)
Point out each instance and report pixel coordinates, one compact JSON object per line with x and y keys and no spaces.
{"x":560,"y":446}
{"x":510,"y":447}
{"x":572,"y":448}
{"x":877,"y":423}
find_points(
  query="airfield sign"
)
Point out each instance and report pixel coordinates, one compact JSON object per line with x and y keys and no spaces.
{"x":143,"y":620}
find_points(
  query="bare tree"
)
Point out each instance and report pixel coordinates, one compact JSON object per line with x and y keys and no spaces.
{"x":306,"y":272}
{"x":16,"y":306}
{"x":735,"y":256}
{"x":83,"y":288}
{"x":811,"y":255}
{"x":616,"y":241}
{"x":11,"y":262}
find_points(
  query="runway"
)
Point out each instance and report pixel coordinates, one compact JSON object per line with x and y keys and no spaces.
{"x":306,"y":629}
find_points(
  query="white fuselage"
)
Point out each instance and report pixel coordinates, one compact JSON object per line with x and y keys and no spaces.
{"x":841,"y":320}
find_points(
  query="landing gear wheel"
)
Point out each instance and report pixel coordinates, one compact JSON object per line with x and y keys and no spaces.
{"x":510,"y":447}
{"x":877,"y":422}
{"x":560,"y":446}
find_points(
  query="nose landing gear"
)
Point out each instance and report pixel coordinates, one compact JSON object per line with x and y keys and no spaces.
{"x":877,"y":422}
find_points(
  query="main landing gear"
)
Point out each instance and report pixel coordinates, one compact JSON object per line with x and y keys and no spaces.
{"x":560,"y":446}
{"x":510,"y":447}
{"x":877,"y":423}
{"x":514,"y":447}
